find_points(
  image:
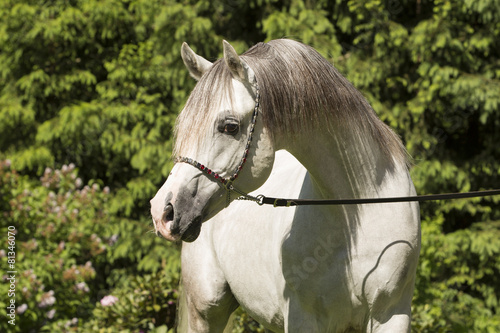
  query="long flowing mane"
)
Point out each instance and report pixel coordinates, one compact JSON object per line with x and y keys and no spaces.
{"x":299,"y":91}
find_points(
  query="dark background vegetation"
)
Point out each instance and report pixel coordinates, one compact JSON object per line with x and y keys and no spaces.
{"x":89,"y":92}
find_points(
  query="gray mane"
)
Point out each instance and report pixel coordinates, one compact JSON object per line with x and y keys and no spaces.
{"x":299,"y":91}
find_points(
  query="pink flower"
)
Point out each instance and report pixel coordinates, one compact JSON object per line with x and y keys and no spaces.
{"x":109,"y":300}
{"x":47,"y":300}
{"x":112,"y":240}
{"x":22,"y":308}
{"x":51,"y":314}
{"x":82,"y":286}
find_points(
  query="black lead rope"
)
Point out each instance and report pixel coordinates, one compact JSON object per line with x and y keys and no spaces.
{"x":227,"y":182}
{"x":278,"y":202}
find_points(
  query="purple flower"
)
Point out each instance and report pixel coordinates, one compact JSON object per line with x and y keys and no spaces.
{"x":109,"y":300}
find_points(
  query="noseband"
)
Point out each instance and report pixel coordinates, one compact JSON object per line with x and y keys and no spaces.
{"x":227,"y":182}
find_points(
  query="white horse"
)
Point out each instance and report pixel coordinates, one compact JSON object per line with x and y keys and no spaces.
{"x":347,"y":268}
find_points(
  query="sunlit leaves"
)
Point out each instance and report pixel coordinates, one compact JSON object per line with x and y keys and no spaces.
{"x":99,"y":84}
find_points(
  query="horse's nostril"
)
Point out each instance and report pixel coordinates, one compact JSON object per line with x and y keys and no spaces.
{"x":168,"y":213}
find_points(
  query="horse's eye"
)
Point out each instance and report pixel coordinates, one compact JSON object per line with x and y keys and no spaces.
{"x":231,"y":129}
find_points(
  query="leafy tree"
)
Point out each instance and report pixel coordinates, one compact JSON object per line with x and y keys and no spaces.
{"x":99,"y":84}
{"x":96,"y":83}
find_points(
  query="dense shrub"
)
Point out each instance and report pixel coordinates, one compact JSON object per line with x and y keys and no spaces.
{"x":142,"y":303}
{"x":458,"y":279}
{"x":71,"y":253}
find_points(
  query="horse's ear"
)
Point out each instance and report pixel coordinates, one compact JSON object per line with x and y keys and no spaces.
{"x":241,"y":71}
{"x":195,"y":64}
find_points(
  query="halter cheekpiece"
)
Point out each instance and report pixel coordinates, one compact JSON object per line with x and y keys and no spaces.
{"x":227,"y":182}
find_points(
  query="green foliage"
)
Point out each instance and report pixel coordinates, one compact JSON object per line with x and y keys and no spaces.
{"x":61,"y":240}
{"x":243,"y":323}
{"x":71,"y":251}
{"x":86,"y":85}
{"x":99,"y":84}
{"x":143,"y":304}
{"x":457,"y":285}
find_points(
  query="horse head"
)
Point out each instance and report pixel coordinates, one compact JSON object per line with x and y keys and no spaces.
{"x":220,"y":141}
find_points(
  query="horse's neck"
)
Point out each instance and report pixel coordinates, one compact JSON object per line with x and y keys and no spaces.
{"x":353,"y":168}
{"x":344,"y":166}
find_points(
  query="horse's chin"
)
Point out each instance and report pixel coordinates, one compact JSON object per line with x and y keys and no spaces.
{"x":192,"y":232}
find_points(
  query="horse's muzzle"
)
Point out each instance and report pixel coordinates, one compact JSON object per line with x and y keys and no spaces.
{"x":163,"y":223}
{"x":173,"y":227}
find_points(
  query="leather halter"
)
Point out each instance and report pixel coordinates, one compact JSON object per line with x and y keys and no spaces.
{"x":227,"y":182}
